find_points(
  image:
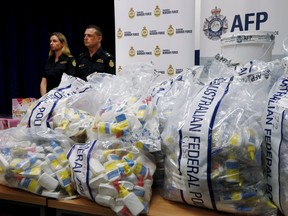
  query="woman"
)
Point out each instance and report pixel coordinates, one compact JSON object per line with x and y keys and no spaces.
{"x":59,"y":61}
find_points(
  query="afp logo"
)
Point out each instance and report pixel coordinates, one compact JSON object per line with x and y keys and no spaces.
{"x":215,"y":25}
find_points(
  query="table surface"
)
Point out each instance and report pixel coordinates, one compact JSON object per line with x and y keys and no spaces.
{"x":19,"y":195}
{"x":158,"y":205}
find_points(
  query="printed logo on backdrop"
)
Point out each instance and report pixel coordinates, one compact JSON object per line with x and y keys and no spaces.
{"x":157,"y":11}
{"x":119,"y":69}
{"x":130,"y":34}
{"x":144,"y":32}
{"x":156,"y":32}
{"x":157,"y":51}
{"x":131,"y":51}
{"x":169,"y":52}
{"x":119,"y":33}
{"x":170,"y":30}
{"x":131,"y":13}
{"x":170,"y":70}
{"x":215,"y":25}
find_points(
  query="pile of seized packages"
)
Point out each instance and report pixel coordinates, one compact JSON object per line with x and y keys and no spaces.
{"x":213,"y":136}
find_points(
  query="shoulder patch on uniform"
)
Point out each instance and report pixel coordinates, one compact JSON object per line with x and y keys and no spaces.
{"x":74,"y":63}
{"x":111,"y":63}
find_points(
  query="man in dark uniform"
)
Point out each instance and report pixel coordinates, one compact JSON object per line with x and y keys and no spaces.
{"x":96,"y":59}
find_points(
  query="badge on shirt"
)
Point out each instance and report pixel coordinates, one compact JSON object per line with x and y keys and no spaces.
{"x":74,"y":63}
{"x":111,"y":63}
{"x":100,"y":60}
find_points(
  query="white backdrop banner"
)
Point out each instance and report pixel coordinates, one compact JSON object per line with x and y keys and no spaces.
{"x":157,"y":31}
{"x":225,"y":16}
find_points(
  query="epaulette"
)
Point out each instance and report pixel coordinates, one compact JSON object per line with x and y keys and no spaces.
{"x":107,"y":54}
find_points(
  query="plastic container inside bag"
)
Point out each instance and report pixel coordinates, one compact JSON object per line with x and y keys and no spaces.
{"x":113,"y":174}
{"x":35,"y":160}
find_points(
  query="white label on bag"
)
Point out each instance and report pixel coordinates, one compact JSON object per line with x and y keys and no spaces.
{"x":273,"y":126}
{"x":79,"y":156}
{"x":43,"y":111}
{"x":195,"y":145}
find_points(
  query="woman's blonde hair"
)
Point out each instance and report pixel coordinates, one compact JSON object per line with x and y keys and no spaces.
{"x":65,"y":50}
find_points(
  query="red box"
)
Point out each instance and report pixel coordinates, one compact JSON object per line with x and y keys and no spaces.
{"x":8,"y":123}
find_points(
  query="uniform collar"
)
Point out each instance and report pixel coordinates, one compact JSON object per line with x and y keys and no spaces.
{"x":97,"y":53}
{"x":61,"y":57}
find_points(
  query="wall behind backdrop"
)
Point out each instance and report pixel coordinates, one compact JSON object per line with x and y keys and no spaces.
{"x":24,"y":40}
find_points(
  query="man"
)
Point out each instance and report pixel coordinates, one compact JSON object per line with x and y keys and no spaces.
{"x":96,"y":59}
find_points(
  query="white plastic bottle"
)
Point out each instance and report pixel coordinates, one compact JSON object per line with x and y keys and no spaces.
{"x":59,"y":153}
{"x":131,"y":201}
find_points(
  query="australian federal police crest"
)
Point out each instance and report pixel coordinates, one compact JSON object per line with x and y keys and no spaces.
{"x":215,"y":25}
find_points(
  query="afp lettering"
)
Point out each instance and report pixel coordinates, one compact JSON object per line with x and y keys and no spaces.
{"x":249,"y":20}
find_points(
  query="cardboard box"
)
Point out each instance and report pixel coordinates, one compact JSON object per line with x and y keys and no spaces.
{"x":20,"y":106}
{"x":8,"y":123}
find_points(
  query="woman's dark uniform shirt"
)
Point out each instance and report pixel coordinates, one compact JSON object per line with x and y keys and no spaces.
{"x":101,"y":62}
{"x":54,"y":70}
